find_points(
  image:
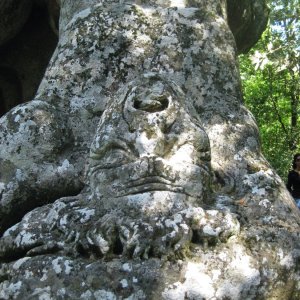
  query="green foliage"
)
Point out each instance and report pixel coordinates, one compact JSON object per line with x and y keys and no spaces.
{"x":270,"y":76}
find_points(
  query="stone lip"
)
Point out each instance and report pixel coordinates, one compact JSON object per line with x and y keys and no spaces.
{"x":165,"y":178}
{"x":150,"y":183}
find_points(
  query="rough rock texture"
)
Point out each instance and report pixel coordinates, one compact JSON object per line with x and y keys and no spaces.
{"x":139,"y":133}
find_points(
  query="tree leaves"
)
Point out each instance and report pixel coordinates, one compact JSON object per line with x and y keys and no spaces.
{"x":270,"y":76}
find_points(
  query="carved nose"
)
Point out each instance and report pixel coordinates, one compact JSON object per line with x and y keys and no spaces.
{"x":150,"y":143}
{"x":152,"y":104}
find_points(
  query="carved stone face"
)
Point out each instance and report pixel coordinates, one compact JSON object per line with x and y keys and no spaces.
{"x":147,"y":142}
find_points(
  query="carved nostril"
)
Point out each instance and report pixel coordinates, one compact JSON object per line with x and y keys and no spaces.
{"x":155,"y":104}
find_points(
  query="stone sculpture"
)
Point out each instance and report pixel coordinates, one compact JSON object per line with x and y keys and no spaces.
{"x":149,"y":159}
{"x":138,"y":130}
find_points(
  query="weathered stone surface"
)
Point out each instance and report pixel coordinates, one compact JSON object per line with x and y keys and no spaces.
{"x":139,"y":131}
{"x":33,"y":137}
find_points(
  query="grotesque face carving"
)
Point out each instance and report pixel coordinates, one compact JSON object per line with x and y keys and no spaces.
{"x":148,"y":174}
{"x":148,"y":141}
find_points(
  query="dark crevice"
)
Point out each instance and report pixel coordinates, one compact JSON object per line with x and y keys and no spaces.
{"x":202,"y":240}
{"x":81,"y":250}
{"x":156,"y":105}
{"x":17,"y":253}
{"x":118,"y":247}
{"x":24,"y":59}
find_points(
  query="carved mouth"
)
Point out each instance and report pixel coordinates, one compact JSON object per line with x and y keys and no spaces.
{"x":148,"y":180}
{"x":149,"y":184}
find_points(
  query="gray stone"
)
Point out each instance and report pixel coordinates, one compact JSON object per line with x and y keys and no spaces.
{"x":139,"y":132}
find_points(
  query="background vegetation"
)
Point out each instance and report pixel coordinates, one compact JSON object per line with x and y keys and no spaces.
{"x":270,"y":77}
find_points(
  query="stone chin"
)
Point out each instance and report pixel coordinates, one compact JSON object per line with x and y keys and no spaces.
{"x":147,"y":204}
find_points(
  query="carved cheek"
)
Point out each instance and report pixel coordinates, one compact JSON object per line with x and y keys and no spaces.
{"x":114,"y":158}
{"x":116,"y":181}
{"x":185,"y":154}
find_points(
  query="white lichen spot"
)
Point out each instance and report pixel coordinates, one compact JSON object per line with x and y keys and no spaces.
{"x":174,"y":291}
{"x":28,"y":274}
{"x":51,"y":217}
{"x":45,"y":276}
{"x":20,"y":176}
{"x":209,"y":231}
{"x":216,"y":274}
{"x":171,"y":224}
{"x":86,"y":214}
{"x":2,"y":187}
{"x":61,"y":292}
{"x":258,"y":191}
{"x":64,"y":167}
{"x":63,"y":221}
{"x":265,"y":203}
{"x":27,"y":126}
{"x":184,"y":227}
{"x":212,"y":212}
{"x":102,"y":294}
{"x":216,"y":131}
{"x":25,"y":238}
{"x":287,"y":261}
{"x":197,"y":285}
{"x":101,"y":243}
{"x":237,"y":157}
{"x":241,"y":277}
{"x":177,"y":3}
{"x":17,"y":118}
{"x":178,"y":218}
{"x":264,"y":260}
{"x":56,"y":265}
{"x":9,"y":231}
{"x":127,"y":267}
{"x":86,"y":295}
{"x":186,"y":13}
{"x":68,"y":267}
{"x":10,"y":291}
{"x":124,"y":283}
{"x":81,"y":15}
{"x":42,"y":293}
{"x":223,"y":256}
